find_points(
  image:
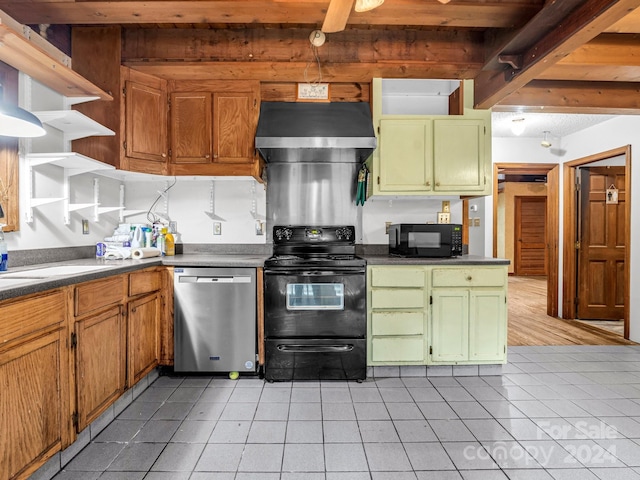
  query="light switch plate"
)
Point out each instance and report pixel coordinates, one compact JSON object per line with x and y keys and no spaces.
{"x":446,"y":207}
{"x":476,"y":222}
{"x":217,"y":228}
{"x":444,"y":217}
{"x":386,"y":227}
{"x":85,"y":226}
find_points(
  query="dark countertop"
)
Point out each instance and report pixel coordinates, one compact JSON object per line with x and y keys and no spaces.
{"x":14,"y":283}
{"x":471,"y":260}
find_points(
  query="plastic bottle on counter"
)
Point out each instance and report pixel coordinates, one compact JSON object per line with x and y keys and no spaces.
{"x":169,"y":243}
{"x":160,"y":245}
{"x":4,"y":253}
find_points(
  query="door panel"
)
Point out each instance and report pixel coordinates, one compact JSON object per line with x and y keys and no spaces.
{"x":601,"y":279}
{"x":530,"y":248}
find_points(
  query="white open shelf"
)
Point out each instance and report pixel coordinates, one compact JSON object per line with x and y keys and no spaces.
{"x":73,"y":124}
{"x":74,"y":163}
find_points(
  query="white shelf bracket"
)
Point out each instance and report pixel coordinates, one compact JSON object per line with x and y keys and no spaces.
{"x":212,"y":204}
{"x":96,"y":199}
{"x":121,"y":203}
{"x":66,"y":192}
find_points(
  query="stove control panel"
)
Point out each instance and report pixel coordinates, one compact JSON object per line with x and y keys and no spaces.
{"x":314,"y":235}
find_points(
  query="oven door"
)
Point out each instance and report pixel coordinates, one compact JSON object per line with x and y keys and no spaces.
{"x":315,"y":304}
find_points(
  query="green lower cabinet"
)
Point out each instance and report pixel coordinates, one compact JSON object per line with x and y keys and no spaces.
{"x":425,"y":315}
{"x":450,"y":325}
{"x":468,"y":326}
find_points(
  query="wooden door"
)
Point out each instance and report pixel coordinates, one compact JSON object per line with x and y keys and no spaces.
{"x":143,"y":334}
{"x":601,"y":279}
{"x":458,"y":158}
{"x":191,"y":127}
{"x":530,"y":236}
{"x":100,"y":363}
{"x":146,"y":126}
{"x":233,"y":128}
{"x":406,"y":155}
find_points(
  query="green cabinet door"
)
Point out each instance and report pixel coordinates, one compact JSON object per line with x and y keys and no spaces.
{"x":459,"y":155}
{"x":487,"y":325}
{"x":406,"y":155}
{"x":450,"y":325}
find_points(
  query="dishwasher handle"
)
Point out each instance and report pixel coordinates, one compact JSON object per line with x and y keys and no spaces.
{"x":214,"y":279}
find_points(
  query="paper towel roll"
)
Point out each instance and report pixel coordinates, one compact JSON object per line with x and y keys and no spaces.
{"x":145,"y":252}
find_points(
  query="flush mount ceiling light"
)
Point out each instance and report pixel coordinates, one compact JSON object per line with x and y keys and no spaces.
{"x":366,"y":5}
{"x":17,"y":122}
{"x":546,"y":143}
{"x":517,"y":126}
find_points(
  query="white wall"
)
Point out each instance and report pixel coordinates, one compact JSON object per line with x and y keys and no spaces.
{"x":614,"y":133}
{"x":378,"y":210}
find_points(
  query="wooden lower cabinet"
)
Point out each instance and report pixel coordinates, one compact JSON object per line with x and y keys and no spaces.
{"x":34,"y":383}
{"x":423,"y":315}
{"x":143,"y":331}
{"x":101,"y":357}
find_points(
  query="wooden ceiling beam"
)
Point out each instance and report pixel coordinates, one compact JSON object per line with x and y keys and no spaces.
{"x":582,"y":25}
{"x":615,"y":98}
{"x":292,"y":45}
{"x":294,"y":71}
{"x":463,"y":13}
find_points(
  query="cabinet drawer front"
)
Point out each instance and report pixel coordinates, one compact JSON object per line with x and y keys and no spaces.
{"x":397,"y":349}
{"x":397,"y":323}
{"x":397,"y":277}
{"x":101,"y":293}
{"x":469,"y":277}
{"x":22,"y":317}
{"x":388,"y":298}
{"x":144,"y":282}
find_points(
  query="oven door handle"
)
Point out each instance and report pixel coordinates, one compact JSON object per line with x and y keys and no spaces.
{"x":315,"y":348}
{"x":314,"y":273}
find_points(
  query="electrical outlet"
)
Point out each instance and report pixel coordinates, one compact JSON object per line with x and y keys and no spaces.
{"x":85,"y":226}
{"x":217,"y":228}
{"x":386,"y":227}
{"x":444,"y":217}
{"x":173,"y":226}
{"x":476,"y":222}
{"x":446,"y":207}
{"x":259,"y":227}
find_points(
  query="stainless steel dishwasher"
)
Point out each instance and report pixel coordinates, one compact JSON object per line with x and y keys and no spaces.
{"x":215,"y":319}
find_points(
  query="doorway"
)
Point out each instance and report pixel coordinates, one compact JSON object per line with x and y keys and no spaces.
{"x":530,"y":252}
{"x":597,"y":237}
{"x":549,"y":245}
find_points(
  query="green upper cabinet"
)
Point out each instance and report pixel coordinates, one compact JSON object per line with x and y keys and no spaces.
{"x":459,"y":155}
{"x":407,"y":149}
{"x":432,"y":154}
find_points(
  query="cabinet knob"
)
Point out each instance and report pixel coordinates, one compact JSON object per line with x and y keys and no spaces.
{"x":215,"y":155}
{"x":164,"y":155}
{"x":437,"y":184}
{"x":428,"y":184}
{"x":469,"y":278}
{"x":207,"y":156}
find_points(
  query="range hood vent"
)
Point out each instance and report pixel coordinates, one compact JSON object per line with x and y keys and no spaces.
{"x":290,"y":132}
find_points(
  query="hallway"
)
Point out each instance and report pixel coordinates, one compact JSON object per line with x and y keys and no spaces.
{"x":530,"y":325}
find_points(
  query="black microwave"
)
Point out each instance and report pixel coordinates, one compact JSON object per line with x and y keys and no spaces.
{"x":425,"y":239}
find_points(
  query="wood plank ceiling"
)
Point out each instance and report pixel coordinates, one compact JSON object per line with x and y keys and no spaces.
{"x":577,"y":56}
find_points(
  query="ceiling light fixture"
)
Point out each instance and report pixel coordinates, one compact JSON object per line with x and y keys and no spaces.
{"x":17,"y":122}
{"x":366,"y":5}
{"x":546,"y":143}
{"x":517,"y":126}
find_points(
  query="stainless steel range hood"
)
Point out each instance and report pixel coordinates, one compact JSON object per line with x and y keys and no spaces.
{"x":291,"y":132}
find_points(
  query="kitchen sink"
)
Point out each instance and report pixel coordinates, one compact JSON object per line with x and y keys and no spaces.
{"x":11,"y":282}
{"x":46,"y":272}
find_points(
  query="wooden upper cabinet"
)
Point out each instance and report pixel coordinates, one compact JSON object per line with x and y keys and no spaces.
{"x":213,"y":126}
{"x":233,"y":130}
{"x":146,"y":142}
{"x":191,"y":129}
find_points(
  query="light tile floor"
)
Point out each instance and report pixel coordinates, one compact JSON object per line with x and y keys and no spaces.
{"x":570,"y":412}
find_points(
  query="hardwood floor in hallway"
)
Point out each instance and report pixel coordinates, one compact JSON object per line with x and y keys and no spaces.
{"x":530,"y":325}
